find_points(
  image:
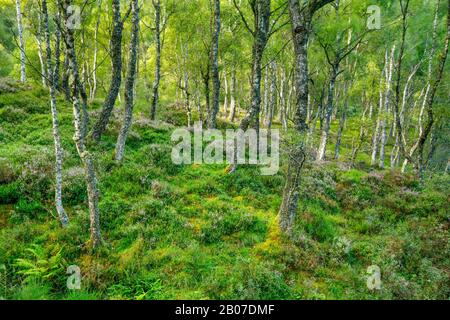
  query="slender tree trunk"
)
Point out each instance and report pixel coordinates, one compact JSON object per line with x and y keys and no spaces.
{"x":57,"y":67}
{"x":376,"y":134}
{"x":116,"y":73}
{"x":129,"y":83}
{"x":342,"y":121}
{"x":184,"y":85}
{"x":233,"y":95}
{"x":65,"y":77}
{"x":272,"y":97}
{"x":206,"y":90}
{"x":427,"y":105}
{"x":94,"y":72}
{"x":265,"y":101}
{"x":40,"y":52}
{"x":56,"y":136}
{"x":430,"y":99}
{"x":300,"y":22}
{"x":300,"y":18}
{"x":362,"y":136}
{"x":212,"y":115}
{"x":261,"y":12}
{"x":225,"y":94}
{"x":86,"y":157}
{"x":385,"y":111}
{"x":282,"y":110}
{"x":155,"y":89}
{"x":328,"y":113}
{"x":23,"y":76}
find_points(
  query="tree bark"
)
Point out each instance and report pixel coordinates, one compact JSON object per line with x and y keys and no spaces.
{"x":225,"y":94}
{"x":301,"y":26}
{"x":65,"y":77}
{"x":376,"y":134}
{"x":362,"y":136}
{"x":38,"y":36}
{"x":342,"y":121}
{"x":233,"y":95}
{"x":272,"y":96}
{"x":55,"y":124}
{"x":212,"y":115}
{"x":85,"y":156}
{"x":328,"y":113}
{"x":57,"y":67}
{"x":116,"y":75}
{"x":23,"y":75}
{"x":430,"y":99}
{"x":94,"y":71}
{"x":155,"y":89}
{"x":385,"y":109}
{"x":129,"y":83}
{"x":261,"y":11}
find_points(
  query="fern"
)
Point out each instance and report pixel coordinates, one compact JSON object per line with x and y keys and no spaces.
{"x":41,"y":264}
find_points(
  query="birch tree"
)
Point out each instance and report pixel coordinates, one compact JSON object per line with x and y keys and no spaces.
{"x":212,"y":114}
{"x":116,"y":72}
{"x":301,"y":19}
{"x":23,"y":76}
{"x":260,"y":33}
{"x":79,"y":138}
{"x":129,"y":83}
{"x":55,"y":123}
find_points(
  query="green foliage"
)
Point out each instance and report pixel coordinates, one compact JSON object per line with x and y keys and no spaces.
{"x":34,"y":291}
{"x":137,"y":288}
{"x":321,"y":228}
{"x":9,"y":193}
{"x":195,"y":231}
{"x":41,"y":264}
{"x":227,"y":223}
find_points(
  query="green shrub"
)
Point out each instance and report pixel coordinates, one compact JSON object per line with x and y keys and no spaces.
{"x":41,"y":264}
{"x":226,"y":224}
{"x":37,"y":176}
{"x":74,"y":186}
{"x":34,"y":291}
{"x":321,"y":228}
{"x":113,"y":211}
{"x":249,"y":280}
{"x":147,"y":287}
{"x":7,"y":173}
{"x":25,"y":210}
{"x":9,"y":193}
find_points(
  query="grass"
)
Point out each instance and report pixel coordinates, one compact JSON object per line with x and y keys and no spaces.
{"x":195,"y":232}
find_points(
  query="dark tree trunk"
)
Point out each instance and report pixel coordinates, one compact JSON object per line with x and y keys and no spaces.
{"x":116,"y":75}
{"x":261,"y":10}
{"x":328,"y":113}
{"x":155,"y":89}
{"x":129,"y":83}
{"x":212,"y":115}
{"x":301,"y":23}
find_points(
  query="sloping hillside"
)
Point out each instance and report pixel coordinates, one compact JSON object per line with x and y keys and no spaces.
{"x":196,"y":232}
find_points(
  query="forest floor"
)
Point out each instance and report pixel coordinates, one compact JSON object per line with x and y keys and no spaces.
{"x":196,"y":232}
